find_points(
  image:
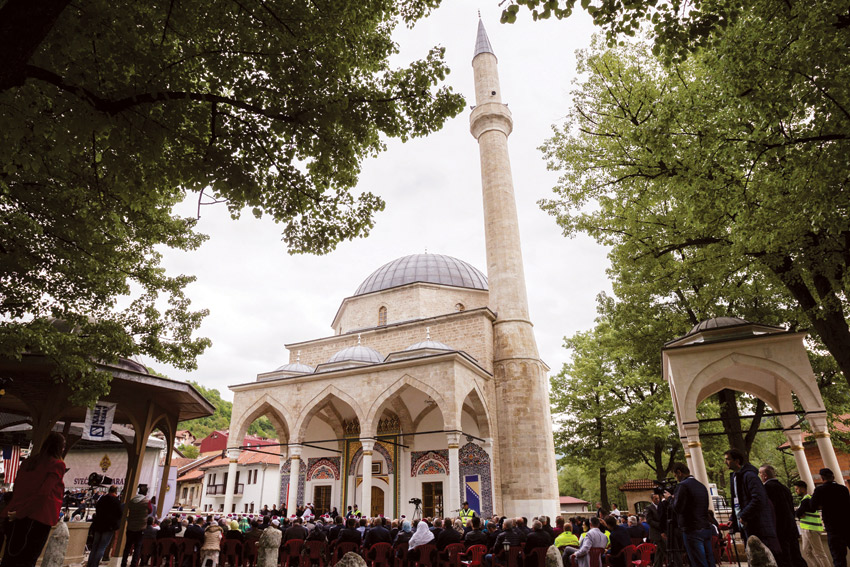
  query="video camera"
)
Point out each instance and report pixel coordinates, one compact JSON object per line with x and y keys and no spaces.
{"x":666,"y":485}
{"x":415,"y":501}
{"x":99,"y":480}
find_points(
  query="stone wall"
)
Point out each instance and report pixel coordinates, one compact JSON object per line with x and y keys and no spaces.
{"x":469,"y":331}
{"x":406,"y":303}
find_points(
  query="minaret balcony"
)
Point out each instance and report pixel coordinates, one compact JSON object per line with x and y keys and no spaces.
{"x":490,"y":116}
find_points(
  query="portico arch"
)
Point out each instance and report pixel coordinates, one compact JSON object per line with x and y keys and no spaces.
{"x":768,"y":362}
{"x":395,"y":391}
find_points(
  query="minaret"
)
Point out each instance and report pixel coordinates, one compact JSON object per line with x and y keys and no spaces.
{"x":529,"y":482}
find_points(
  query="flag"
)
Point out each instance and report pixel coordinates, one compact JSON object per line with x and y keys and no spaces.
{"x":98,"y":426}
{"x":11,"y":462}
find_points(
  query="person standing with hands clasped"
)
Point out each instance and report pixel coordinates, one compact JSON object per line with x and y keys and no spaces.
{"x":36,"y":502}
{"x":752,"y":512}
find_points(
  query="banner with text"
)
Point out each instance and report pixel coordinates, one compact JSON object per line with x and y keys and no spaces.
{"x":98,"y":425}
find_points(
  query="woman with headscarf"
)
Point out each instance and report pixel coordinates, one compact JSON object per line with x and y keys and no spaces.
{"x":403,"y":535}
{"x":244,"y":525}
{"x":234,"y":532}
{"x":212,"y":544}
{"x":422,"y":536}
{"x":36,"y":502}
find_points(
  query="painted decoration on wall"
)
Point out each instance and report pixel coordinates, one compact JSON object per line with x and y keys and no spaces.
{"x":284,"y":483}
{"x":321,"y":468}
{"x":419,"y":460}
{"x":475,"y":462}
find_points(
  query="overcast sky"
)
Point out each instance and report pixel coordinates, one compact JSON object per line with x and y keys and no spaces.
{"x":260,"y":298}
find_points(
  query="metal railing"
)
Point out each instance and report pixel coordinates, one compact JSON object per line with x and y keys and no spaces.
{"x":221,"y":489}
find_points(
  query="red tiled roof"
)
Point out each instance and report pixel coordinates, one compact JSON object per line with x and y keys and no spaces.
{"x":838,"y":426}
{"x":638,"y":484}
{"x":196,"y":474}
{"x":245,"y":458}
{"x":571,"y":500}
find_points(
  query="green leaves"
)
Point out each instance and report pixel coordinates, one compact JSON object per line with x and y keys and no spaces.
{"x":128,"y":108}
{"x":720,"y":183}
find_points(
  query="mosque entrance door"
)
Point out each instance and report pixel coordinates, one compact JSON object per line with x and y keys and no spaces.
{"x":432,"y":499}
{"x":322,"y":499}
{"x":377,"y":502}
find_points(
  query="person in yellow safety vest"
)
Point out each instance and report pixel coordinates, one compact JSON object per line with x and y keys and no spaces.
{"x":811,"y":526}
{"x":466,"y":513}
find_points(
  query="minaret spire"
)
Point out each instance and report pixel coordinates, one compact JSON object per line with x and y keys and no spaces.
{"x":529,"y":484}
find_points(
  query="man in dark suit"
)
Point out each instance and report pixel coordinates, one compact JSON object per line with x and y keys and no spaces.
{"x":656,"y":529}
{"x":536,"y":538}
{"x":833,"y":500}
{"x":377,"y":534}
{"x":295,"y":531}
{"x":618,"y":539}
{"x":786,"y":524}
{"x":690,"y":502}
{"x":349,"y":533}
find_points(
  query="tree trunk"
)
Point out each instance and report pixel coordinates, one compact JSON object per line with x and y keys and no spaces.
{"x":735,"y":434}
{"x":603,"y":488}
{"x":23,"y":26}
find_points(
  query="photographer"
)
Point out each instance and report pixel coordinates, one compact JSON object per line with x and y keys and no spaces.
{"x":671,"y":535}
{"x":690,"y":502}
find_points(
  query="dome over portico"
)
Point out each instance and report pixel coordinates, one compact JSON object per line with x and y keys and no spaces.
{"x":425,"y":268}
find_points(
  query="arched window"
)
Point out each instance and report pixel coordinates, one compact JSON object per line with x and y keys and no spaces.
{"x":382,"y":316}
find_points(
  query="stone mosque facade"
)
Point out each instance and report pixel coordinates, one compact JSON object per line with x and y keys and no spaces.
{"x":431,"y":386}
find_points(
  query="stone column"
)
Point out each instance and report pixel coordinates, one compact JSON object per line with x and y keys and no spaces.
{"x":233,"y":458}
{"x":452,"y":500}
{"x":827,"y":451}
{"x":276,"y":492}
{"x":695,"y":449}
{"x":294,"y":471}
{"x":366,"y":485}
{"x":795,"y":439}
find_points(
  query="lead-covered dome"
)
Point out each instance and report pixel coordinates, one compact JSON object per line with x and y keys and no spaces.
{"x":296,"y":367}
{"x":358,"y":353}
{"x":426,"y":268}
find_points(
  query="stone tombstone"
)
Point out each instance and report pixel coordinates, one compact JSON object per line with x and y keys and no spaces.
{"x":351,"y":559}
{"x":553,"y":557}
{"x":57,"y":545}
{"x":268,"y":547}
{"x":758,"y":555}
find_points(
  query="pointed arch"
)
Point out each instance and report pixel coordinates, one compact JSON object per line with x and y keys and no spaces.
{"x":370,"y":425}
{"x":267,"y":406}
{"x":736,"y":371}
{"x":318,"y":402}
{"x":479,"y":409}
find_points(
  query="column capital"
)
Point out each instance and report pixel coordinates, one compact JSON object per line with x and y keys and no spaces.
{"x":692,"y":431}
{"x":453,"y":439}
{"x":295,"y":452}
{"x":368,"y":445}
{"x":233,"y":454}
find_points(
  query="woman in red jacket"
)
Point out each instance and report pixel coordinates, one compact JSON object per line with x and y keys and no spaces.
{"x":36,"y":502}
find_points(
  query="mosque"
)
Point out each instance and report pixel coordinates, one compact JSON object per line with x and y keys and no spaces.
{"x":431,"y":387}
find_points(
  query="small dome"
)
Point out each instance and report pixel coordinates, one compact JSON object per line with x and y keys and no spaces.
{"x":430,"y":344}
{"x":357,"y":353}
{"x":296,"y":367}
{"x":718,"y":323}
{"x":426,"y":268}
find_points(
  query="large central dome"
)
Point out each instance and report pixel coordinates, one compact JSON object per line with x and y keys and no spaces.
{"x":427,"y":268}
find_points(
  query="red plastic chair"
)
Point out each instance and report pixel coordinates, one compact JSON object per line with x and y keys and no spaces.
{"x":644,"y":553}
{"x":148,"y":552}
{"x":249,"y":553}
{"x":290,"y":553}
{"x":343,"y":548}
{"x":513,"y":558}
{"x":536,"y":557}
{"x":313,"y":553}
{"x":400,"y":555}
{"x":626,"y":556}
{"x":380,"y":555}
{"x":595,"y":557}
{"x":166,"y":549}
{"x":231,"y":553}
{"x":450,"y":556}
{"x":427,"y":556}
{"x":474,"y":556}
{"x":188,"y":548}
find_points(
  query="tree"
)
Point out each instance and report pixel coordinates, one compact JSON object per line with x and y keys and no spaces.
{"x":189,"y":451}
{"x":113,"y":112}
{"x":727,"y":172}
